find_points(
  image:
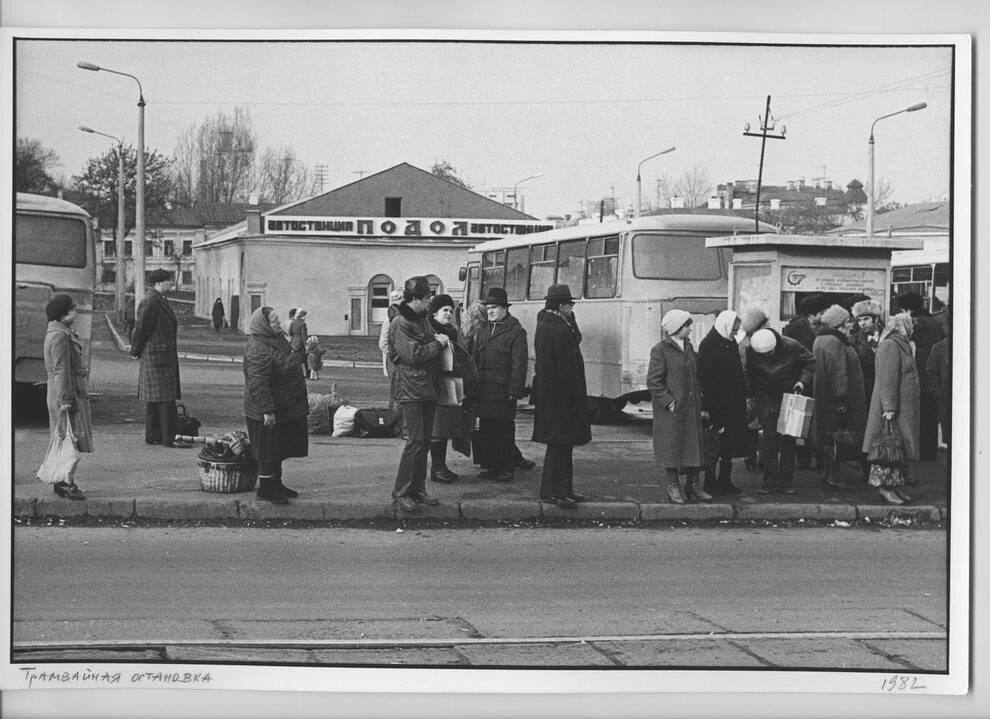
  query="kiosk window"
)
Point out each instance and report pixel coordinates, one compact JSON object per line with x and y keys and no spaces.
{"x":543,"y":263}
{"x":516,"y":273}
{"x":603,"y":262}
{"x":570,"y":266}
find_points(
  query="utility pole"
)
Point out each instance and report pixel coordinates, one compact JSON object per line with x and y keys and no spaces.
{"x":767,"y":124}
{"x":321,"y":175}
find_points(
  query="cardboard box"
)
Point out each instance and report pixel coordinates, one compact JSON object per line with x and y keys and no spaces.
{"x":796,"y":411}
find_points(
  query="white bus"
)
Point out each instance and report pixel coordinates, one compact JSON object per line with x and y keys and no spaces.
{"x":54,"y":253}
{"x":927,"y":272}
{"x":627,"y":274}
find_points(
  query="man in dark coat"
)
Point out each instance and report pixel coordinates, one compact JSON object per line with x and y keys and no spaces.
{"x":218,"y":315}
{"x":804,"y":328}
{"x":154,"y":343}
{"x":560,"y":392}
{"x":938,"y":372}
{"x":865,"y":338}
{"x":775,"y":365}
{"x":501,"y":354}
{"x":415,"y":354}
{"x":927,"y":331}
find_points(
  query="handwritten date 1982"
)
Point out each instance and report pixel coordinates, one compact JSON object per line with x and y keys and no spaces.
{"x":901,"y":683}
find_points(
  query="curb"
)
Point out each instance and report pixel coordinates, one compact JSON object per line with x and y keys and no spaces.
{"x":220,"y":508}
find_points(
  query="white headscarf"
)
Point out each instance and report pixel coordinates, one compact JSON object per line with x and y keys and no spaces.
{"x":674,"y":320}
{"x":724,"y":323}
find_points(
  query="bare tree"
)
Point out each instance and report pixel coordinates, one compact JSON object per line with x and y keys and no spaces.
{"x":281,"y":176}
{"x":444,"y":170}
{"x":694,"y":185}
{"x":882,"y":197}
{"x":215,"y":159}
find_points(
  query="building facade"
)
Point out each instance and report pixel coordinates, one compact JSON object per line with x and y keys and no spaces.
{"x":340,"y":254}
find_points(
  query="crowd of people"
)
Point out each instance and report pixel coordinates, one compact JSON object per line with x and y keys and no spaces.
{"x":457,"y":374}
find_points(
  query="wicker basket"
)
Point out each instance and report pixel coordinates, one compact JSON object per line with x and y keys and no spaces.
{"x":240,"y":476}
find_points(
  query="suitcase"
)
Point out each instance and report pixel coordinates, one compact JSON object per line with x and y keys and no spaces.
{"x":184,"y":424}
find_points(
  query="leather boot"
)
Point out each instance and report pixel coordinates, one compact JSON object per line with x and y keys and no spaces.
{"x":281,"y":488}
{"x":674,"y":487}
{"x":267,"y":491}
{"x":440,"y":473}
{"x":694,"y":492}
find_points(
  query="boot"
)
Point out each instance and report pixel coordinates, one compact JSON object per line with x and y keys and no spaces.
{"x":267,"y":491}
{"x":281,"y":488}
{"x":890,"y":496}
{"x":694,"y":492}
{"x":674,"y":487}
{"x":440,"y":473}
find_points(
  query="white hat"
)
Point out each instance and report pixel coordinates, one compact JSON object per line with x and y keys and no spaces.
{"x":763,"y":341}
{"x":674,"y":320}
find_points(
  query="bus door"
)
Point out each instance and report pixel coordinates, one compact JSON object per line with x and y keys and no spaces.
{"x":472,"y":284}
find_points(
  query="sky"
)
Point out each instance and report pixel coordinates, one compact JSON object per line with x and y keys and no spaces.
{"x":583,"y":114}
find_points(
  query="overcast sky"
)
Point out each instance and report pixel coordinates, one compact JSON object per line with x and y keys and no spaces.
{"x":583,"y":114}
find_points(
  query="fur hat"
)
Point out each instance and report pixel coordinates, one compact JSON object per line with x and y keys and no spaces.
{"x":674,"y":321}
{"x":439,"y":302}
{"x":159,"y":275}
{"x":59,"y":307}
{"x":416,"y":288}
{"x":813,"y":304}
{"x":496,"y":296}
{"x":910,"y":302}
{"x":835,"y":316}
{"x":753,"y":320}
{"x":763,"y":341}
{"x":866,"y":308}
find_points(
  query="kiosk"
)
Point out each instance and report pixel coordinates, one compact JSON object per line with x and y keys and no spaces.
{"x":775,"y":272}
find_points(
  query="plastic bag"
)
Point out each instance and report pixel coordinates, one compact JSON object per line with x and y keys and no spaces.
{"x":343,"y":421}
{"x":62,"y":456}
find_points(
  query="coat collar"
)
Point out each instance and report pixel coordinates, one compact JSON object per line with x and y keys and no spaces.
{"x":670,"y":342}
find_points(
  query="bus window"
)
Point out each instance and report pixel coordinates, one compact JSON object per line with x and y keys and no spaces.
{"x":570,"y":266}
{"x":54,"y":241}
{"x":674,"y":258}
{"x":516,"y":273}
{"x":603,"y":261}
{"x":543,"y":263}
{"x":492,"y":270}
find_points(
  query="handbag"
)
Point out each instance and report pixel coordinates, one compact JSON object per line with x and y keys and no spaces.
{"x":184,"y":424}
{"x":887,"y":448}
{"x":843,"y":446}
{"x":377,"y":422}
{"x":62,"y":457}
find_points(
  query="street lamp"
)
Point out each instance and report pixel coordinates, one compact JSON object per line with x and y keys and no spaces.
{"x":639,"y":180}
{"x":139,"y":189}
{"x":870,"y":189}
{"x":119,"y":285}
{"x":515,"y":196}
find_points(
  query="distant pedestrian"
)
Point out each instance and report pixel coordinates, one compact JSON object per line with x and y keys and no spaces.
{"x":394,"y":298}
{"x":865,"y":338}
{"x":927,"y":331}
{"x":803,"y":328}
{"x":275,"y":404}
{"x":939,"y":371}
{"x":415,"y":353}
{"x":723,"y":386}
{"x":314,"y":356}
{"x":774,"y":365}
{"x":678,"y":432}
{"x":840,"y":397}
{"x":218,"y":315}
{"x":561,"y":420}
{"x":501,"y":354}
{"x":68,"y":395}
{"x":154,"y":343}
{"x":298,"y":334}
{"x":129,"y":319}
{"x":897,"y":400}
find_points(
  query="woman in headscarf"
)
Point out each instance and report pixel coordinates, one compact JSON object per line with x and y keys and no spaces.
{"x":723,"y":387}
{"x":840,"y":399}
{"x":68,"y":396}
{"x":275,"y":403}
{"x":678,"y":434}
{"x":896,"y":399}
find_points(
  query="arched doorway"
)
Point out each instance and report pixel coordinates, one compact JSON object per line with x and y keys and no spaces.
{"x":378,"y":290}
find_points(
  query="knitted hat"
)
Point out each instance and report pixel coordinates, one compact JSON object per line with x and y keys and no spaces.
{"x":866,"y":308}
{"x":753,"y":320}
{"x":674,"y":320}
{"x":159,"y":275}
{"x":59,"y":307}
{"x":763,"y":342}
{"x":439,"y":302}
{"x":813,"y":304}
{"x":835,"y":316}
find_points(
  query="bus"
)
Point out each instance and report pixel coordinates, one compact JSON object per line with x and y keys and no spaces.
{"x":626,"y":275}
{"x":927,"y":272}
{"x":54,"y":252}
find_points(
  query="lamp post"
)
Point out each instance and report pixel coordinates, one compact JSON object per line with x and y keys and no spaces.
{"x":870,"y":189}
{"x":119,"y":284}
{"x":139,"y":189}
{"x":515,"y":195}
{"x":639,"y":180}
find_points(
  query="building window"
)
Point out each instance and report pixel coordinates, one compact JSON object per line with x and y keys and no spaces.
{"x":186,"y":248}
{"x":186,"y":277}
{"x":393,"y":207}
{"x":108,"y":248}
{"x":379,"y":289}
{"x":149,"y":248}
{"x":109,"y":276}
{"x":128,"y":248}
{"x":169,"y":248}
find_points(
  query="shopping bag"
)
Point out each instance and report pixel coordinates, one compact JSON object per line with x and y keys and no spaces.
{"x":887,"y":448}
{"x":796,"y":411}
{"x":447,"y":359}
{"x":62,"y":456}
{"x":451,"y":392}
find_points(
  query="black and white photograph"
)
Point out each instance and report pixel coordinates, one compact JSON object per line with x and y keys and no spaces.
{"x":490,"y":361}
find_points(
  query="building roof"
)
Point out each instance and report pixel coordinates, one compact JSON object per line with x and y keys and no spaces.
{"x":210,"y":216}
{"x":919,"y":217}
{"x":423,"y":194}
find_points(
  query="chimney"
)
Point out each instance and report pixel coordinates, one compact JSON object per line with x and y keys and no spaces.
{"x":254,"y":221}
{"x":800,"y":184}
{"x":714,"y":202}
{"x":728,"y":195}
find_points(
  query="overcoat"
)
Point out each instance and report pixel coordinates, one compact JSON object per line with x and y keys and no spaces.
{"x":838,"y":379}
{"x":800,"y":329}
{"x":927,"y":331}
{"x":67,"y":382}
{"x":449,"y":421}
{"x":867,"y":353}
{"x":896,"y":390}
{"x":154,"y":341}
{"x":298,"y":333}
{"x":559,"y":388}
{"x":501,"y":354}
{"x":415,"y":354}
{"x":772,"y":374}
{"x":273,"y":382}
{"x":939,"y":374}
{"x":723,"y":385}
{"x":678,"y":437}
{"x":218,"y":314}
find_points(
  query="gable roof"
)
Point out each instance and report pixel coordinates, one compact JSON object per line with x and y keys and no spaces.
{"x":422,"y":194}
{"x":210,"y":216}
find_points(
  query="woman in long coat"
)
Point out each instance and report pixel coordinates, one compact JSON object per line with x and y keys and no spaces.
{"x":561,"y":419}
{"x":67,"y":386}
{"x":678,"y":436}
{"x":275,"y":403}
{"x":896,"y":398}
{"x":298,"y":334}
{"x":723,"y":385}
{"x":840,"y":396}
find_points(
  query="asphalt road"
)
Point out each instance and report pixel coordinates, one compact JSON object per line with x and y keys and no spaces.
{"x":812,"y":598}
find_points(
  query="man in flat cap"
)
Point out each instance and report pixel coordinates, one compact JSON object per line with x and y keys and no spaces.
{"x":154,"y":343}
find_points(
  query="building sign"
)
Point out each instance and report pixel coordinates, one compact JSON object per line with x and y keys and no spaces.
{"x":400,"y":227}
{"x":833,"y":279}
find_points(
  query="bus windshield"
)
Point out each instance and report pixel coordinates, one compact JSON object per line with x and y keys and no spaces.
{"x":47,"y":240}
{"x":681,"y":257}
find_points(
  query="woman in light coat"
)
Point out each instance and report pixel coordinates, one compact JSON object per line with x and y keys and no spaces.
{"x":678,"y":436}
{"x":67,"y":386}
{"x":896,"y":399}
